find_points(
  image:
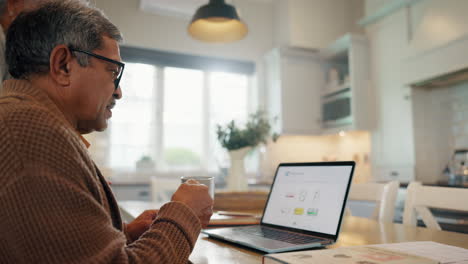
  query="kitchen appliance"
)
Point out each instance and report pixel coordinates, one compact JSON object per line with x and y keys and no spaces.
{"x":336,"y":108}
{"x":458,"y":168}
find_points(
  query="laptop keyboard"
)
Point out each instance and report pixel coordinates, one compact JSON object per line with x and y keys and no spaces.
{"x":279,"y":235}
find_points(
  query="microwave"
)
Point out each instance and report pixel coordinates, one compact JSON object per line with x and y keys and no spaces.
{"x":336,"y":109}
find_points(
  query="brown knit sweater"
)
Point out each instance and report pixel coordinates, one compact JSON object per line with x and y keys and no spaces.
{"x":55,"y":205}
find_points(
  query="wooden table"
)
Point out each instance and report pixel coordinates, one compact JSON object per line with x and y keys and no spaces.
{"x":355,"y":231}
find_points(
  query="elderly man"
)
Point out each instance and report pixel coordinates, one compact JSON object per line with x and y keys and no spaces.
{"x":56,"y":206}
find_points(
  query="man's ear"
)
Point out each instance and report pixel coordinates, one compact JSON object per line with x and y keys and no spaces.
{"x":60,"y":65}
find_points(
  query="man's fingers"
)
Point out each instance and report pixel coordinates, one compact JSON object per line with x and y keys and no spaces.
{"x":149,"y":214}
{"x":208,"y":211}
{"x":192,"y":181}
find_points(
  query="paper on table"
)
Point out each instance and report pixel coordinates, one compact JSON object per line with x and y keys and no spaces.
{"x":445,"y":254}
{"x":347,"y":255}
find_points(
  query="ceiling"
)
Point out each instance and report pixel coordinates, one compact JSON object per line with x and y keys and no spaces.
{"x":184,"y":8}
{"x":180,"y":8}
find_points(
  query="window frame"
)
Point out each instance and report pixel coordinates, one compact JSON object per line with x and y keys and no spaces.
{"x":208,"y":65}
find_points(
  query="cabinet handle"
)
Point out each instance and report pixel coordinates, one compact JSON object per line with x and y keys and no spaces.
{"x":394,"y":174}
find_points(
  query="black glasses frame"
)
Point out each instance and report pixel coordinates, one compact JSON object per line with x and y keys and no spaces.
{"x":120,"y":64}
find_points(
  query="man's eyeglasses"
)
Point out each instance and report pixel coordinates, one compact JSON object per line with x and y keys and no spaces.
{"x":118,"y":63}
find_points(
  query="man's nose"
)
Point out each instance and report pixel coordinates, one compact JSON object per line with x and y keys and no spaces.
{"x":118,"y":93}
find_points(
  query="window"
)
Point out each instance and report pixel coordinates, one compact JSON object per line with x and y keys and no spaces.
{"x":229,"y":100}
{"x":169,"y":114}
{"x":133,"y":123}
{"x":183,"y":119}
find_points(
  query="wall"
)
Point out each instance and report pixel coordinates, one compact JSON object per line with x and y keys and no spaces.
{"x":372,"y":6}
{"x":459,"y":106}
{"x":315,"y":23}
{"x":353,"y":146}
{"x":441,"y":126}
{"x":432,"y":113}
{"x":281,"y":21}
{"x":170,"y":33}
{"x":303,"y":23}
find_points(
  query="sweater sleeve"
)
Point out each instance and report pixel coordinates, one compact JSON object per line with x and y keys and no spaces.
{"x":52,"y":219}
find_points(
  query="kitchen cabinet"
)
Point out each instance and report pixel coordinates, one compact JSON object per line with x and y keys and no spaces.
{"x":299,"y":92}
{"x":412,"y":135}
{"x":347,"y":97}
{"x":294,"y":77}
{"x":393,"y":155}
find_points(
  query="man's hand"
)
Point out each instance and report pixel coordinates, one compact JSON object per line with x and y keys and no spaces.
{"x":197,"y":198}
{"x":138,"y":226}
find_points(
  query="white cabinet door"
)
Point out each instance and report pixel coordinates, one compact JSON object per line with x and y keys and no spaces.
{"x":294,"y":78}
{"x":392,"y":140}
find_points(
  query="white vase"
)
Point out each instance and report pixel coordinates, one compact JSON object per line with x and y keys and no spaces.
{"x":237,"y":180}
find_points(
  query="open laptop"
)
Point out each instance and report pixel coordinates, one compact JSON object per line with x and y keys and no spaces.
{"x":304,"y":209}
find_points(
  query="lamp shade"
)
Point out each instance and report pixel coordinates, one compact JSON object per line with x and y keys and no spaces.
{"x":217,"y":22}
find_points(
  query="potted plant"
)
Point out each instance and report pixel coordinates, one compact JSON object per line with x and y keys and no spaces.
{"x":145,"y":163}
{"x":239,"y":141}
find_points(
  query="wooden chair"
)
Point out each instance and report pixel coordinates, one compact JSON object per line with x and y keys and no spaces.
{"x":419,"y":198}
{"x":384,"y":194}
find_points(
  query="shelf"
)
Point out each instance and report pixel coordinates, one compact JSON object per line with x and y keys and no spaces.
{"x":338,"y":50}
{"x":346,"y":106}
{"x":327,"y":92}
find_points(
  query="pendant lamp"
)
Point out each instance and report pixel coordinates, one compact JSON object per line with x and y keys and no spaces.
{"x":217,"y":22}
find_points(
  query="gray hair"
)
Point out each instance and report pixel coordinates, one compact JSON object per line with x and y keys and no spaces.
{"x":33,"y":35}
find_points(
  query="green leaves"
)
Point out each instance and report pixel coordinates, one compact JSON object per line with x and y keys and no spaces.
{"x":255,"y":132}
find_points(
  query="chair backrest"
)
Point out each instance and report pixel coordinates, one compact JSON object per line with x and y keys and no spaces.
{"x":420,"y":198}
{"x":384,"y":194}
{"x":162,"y":188}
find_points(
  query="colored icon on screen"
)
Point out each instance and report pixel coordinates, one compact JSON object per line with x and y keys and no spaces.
{"x":298,"y":211}
{"x":302,"y":195}
{"x":312,"y":211}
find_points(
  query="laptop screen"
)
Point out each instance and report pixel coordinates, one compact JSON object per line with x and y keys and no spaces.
{"x":309,"y":196}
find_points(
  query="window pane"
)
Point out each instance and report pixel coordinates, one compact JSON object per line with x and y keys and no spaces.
{"x":183,"y":118}
{"x":229,"y":97}
{"x":229,"y":101}
{"x":133,"y":121}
